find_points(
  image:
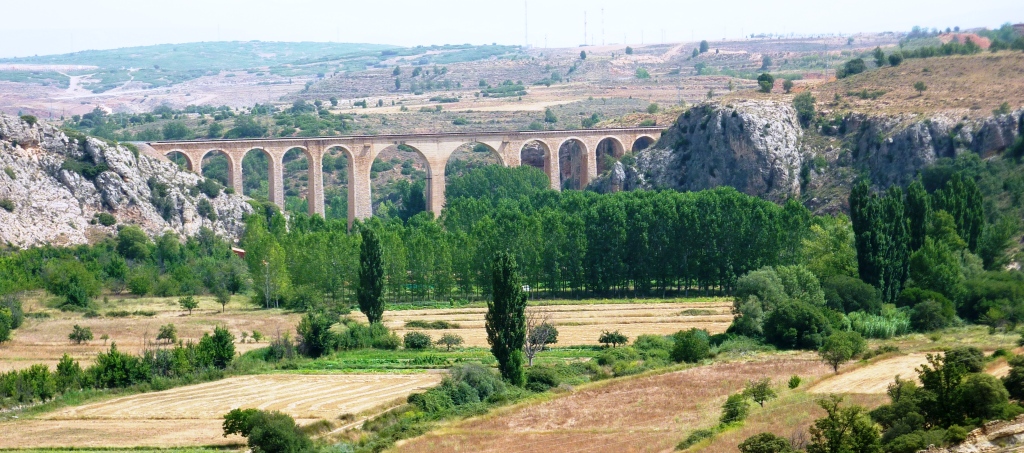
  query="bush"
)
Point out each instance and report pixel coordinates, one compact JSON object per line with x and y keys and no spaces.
{"x":541,"y":378}
{"x":850,"y":294}
{"x":765,"y":82}
{"x":417,"y":340}
{"x":984,"y":396}
{"x":106,"y":219}
{"x":895,"y":58}
{"x":735,"y":409}
{"x":695,"y":437}
{"x":267,"y":432}
{"x":691,"y":346}
{"x":765,"y":443}
{"x":209,"y":187}
{"x":14,"y":310}
{"x":70,"y":280}
{"x":168,"y":333}
{"x":315,"y":336}
{"x":794,"y":382}
{"x":796,"y":325}
{"x":855,"y":66}
{"x":931,"y":315}
{"x":80,"y":334}
{"x":115,"y":369}
{"x":418,"y":324}
{"x":804,"y":105}
{"x":1014,"y":380}
{"x":7,"y":204}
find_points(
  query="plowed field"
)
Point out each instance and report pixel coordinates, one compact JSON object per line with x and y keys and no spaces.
{"x":192,"y":415}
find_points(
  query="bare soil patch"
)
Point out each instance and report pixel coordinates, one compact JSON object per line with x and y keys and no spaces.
{"x":873,"y":378}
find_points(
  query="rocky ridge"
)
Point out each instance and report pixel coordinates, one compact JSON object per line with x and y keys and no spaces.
{"x":759,"y":148}
{"x":47,"y":201}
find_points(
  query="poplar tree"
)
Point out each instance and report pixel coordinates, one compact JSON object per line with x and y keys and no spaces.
{"x":371,"y":277}
{"x":506,"y":319}
{"x":917,"y":207}
{"x":962,"y":199}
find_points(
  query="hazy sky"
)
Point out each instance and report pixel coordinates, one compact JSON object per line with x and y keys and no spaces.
{"x":61,"y":26}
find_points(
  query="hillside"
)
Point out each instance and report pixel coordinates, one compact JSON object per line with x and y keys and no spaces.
{"x":62,"y":190}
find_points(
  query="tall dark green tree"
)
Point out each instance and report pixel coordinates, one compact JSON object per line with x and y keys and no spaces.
{"x":917,"y":206}
{"x":506,"y":319}
{"x":371,"y":277}
{"x":882,"y":238}
{"x":962,"y":199}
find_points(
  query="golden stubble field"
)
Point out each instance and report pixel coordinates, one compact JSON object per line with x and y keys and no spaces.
{"x":580,"y":324}
{"x":643,"y":414}
{"x":192,"y":415}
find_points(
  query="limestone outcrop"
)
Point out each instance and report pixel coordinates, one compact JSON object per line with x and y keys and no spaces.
{"x":753,"y":146}
{"x":54,"y":187}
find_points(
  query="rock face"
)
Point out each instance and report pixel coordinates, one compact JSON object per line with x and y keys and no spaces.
{"x":993,"y":437}
{"x":52,"y":200}
{"x":753,"y":146}
{"x":759,"y":148}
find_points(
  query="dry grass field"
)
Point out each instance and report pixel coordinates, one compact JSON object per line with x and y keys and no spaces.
{"x":581,"y":324}
{"x":45,"y":340}
{"x":192,"y":415}
{"x":646,"y":413}
{"x":873,"y":378}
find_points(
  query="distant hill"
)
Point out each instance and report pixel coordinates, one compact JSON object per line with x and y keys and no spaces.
{"x":169,"y":64}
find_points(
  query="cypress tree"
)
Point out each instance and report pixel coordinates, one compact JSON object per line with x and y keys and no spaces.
{"x":506,"y":319}
{"x":917,"y":208}
{"x":894,"y":245}
{"x":863,"y":207}
{"x":371,"y":277}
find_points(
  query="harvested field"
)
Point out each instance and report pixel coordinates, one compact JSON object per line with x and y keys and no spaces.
{"x":873,"y":378}
{"x":582,"y":324}
{"x":192,"y":415}
{"x":650,"y":413}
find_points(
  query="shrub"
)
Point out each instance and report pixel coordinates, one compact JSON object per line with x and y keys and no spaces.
{"x":983,"y":396}
{"x":696,"y":436}
{"x":206,"y":209}
{"x":418,"y":324}
{"x":219,"y":348}
{"x":106,"y":219}
{"x":29,"y":119}
{"x":920,"y":87}
{"x":168,"y":333}
{"x":930,"y":315}
{"x":1014,"y":380}
{"x":854,"y":66}
{"x":760,"y":391}
{"x":541,"y":378}
{"x":796,"y":325}
{"x":7,"y":204}
{"x":895,"y":58}
{"x":765,"y":82}
{"x":417,"y":340}
{"x":735,"y":409}
{"x":70,"y":280}
{"x":612,"y":356}
{"x":267,"y":432}
{"x":765,"y":443}
{"x":209,"y":187}
{"x":652,"y":108}
{"x":188,"y":303}
{"x":850,"y":294}
{"x":315,"y":336}
{"x":787,"y":85}
{"x":691,"y":346}
{"x":114,"y":369}
{"x":5,"y":324}
{"x":14,"y":310}
{"x":954,"y":435}
{"x":80,"y":334}
{"x":794,"y":382}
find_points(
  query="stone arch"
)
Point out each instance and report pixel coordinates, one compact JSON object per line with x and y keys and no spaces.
{"x":409,"y":162}
{"x":178,"y":155}
{"x":470,"y":155}
{"x":205,"y":159}
{"x":258,"y":168}
{"x":642,"y":142}
{"x":537,"y":153}
{"x":609,"y":148}
{"x":573,"y":163}
{"x":337,"y":165}
{"x":299,"y":160}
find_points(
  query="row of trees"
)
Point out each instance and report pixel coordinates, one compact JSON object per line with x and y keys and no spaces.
{"x":569,"y":243}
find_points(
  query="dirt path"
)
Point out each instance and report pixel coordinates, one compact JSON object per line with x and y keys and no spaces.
{"x":874,"y":378}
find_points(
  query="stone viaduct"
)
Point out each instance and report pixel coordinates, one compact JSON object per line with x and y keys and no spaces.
{"x":361,"y":150}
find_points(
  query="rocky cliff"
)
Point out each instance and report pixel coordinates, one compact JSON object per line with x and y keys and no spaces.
{"x":60,"y":190}
{"x":759,"y":148}
{"x":753,"y":146}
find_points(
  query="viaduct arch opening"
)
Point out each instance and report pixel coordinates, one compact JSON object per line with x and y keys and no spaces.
{"x":296,"y":177}
{"x":572,"y":164}
{"x":336,"y":175}
{"x":608,"y":150}
{"x":470,"y":156}
{"x":642,"y":142}
{"x":402,"y":176}
{"x":538,"y":154}
{"x":216,"y":165}
{"x":256,"y":173}
{"x":181,"y":159}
